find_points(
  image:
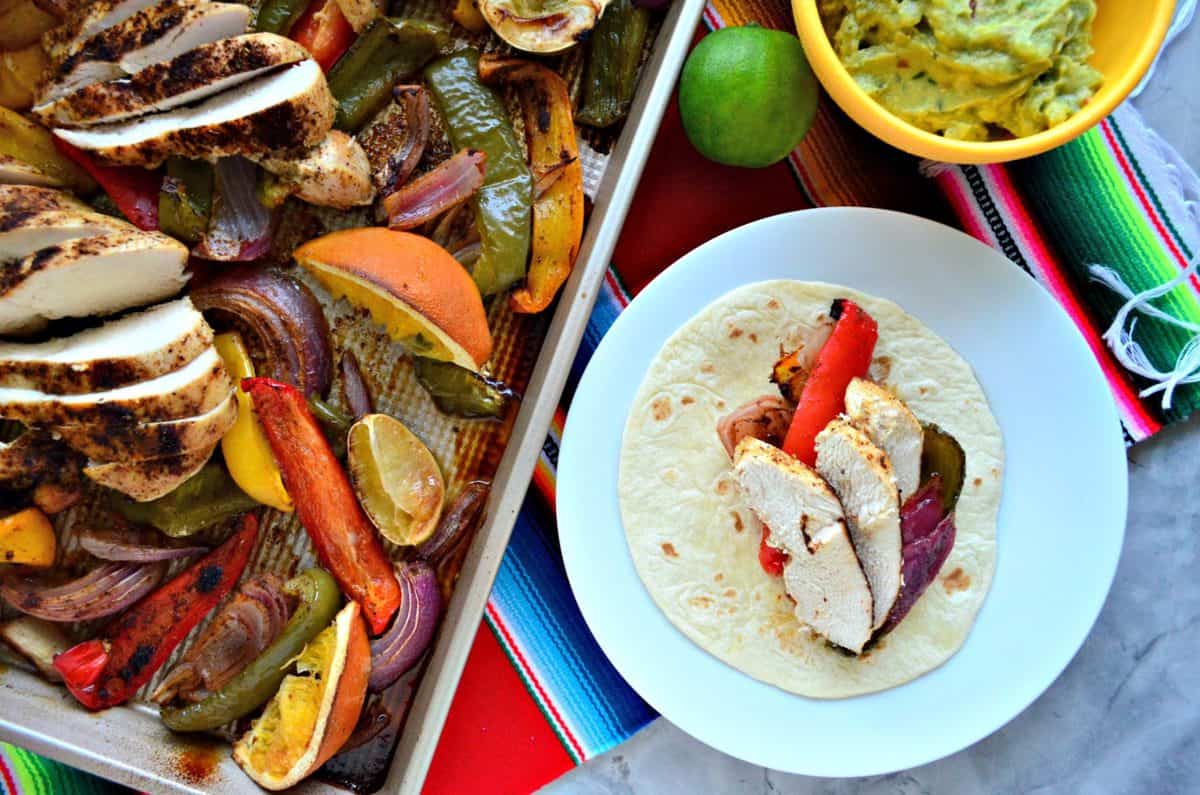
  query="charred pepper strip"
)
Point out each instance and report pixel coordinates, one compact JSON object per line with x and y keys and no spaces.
{"x":362,"y":80}
{"x":107,"y":671}
{"x":460,"y":392}
{"x":475,"y":119}
{"x":554,"y":158}
{"x":614,"y":53}
{"x":319,"y":600}
{"x":844,"y":356}
{"x":278,"y":16}
{"x":134,"y":190}
{"x":185,"y":201}
{"x":342,"y":534}
{"x":208,"y":497}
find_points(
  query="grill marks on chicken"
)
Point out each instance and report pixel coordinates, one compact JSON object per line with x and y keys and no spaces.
{"x":189,"y":77}
{"x":248,"y":621}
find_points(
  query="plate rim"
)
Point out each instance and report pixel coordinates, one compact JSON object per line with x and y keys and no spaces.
{"x":566,"y":490}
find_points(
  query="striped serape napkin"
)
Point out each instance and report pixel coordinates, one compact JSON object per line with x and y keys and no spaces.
{"x":1098,"y":222}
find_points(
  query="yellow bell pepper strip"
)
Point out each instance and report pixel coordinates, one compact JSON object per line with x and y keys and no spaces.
{"x":27,"y":538}
{"x":557,"y":173}
{"x":31,"y":143}
{"x":467,"y":14}
{"x":21,"y":73}
{"x":248,"y":455}
{"x":22,"y":23}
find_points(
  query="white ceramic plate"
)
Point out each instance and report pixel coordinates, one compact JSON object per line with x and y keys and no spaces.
{"x":1062,"y":515}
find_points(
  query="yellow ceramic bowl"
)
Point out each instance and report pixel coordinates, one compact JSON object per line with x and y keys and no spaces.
{"x":1126,"y":37}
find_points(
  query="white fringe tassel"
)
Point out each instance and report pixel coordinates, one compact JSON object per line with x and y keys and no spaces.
{"x":1129,"y":353}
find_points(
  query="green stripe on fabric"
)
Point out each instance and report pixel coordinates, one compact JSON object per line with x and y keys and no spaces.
{"x":1148,"y":187}
{"x":529,"y":686}
{"x":1087,"y":211}
{"x":37,"y":775}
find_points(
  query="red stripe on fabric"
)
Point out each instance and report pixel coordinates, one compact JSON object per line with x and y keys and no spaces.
{"x":1055,"y":279}
{"x":533,"y":680}
{"x":545,"y":482}
{"x":1144,"y":200}
{"x":615,"y":287}
{"x":496,"y":739}
{"x":9,"y":783}
{"x":964,"y":207}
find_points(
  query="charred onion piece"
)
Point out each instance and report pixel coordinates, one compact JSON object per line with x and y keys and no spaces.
{"x":765,"y":418}
{"x":105,"y":590}
{"x":250,"y":620}
{"x":37,"y":641}
{"x":396,"y":651}
{"x":280,"y":320}
{"x":458,"y":523}
{"x":431,"y":194}
{"x":134,"y":547}
{"x":354,"y":384}
{"x":239,"y":229}
{"x":396,"y":141}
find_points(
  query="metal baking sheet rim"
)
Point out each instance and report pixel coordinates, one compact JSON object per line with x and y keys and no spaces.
{"x":43,"y":718}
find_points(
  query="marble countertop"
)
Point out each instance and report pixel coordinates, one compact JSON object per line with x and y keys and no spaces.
{"x":1124,"y":716}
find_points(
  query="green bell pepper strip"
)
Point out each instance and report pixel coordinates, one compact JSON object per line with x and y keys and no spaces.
{"x":278,"y":16}
{"x":319,"y":600}
{"x":476,"y":119}
{"x":362,"y":79}
{"x":614,"y":53}
{"x":185,"y":200}
{"x":335,"y":424}
{"x":458,"y":391}
{"x":206,"y":498}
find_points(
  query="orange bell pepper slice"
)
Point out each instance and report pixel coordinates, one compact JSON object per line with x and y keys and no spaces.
{"x":558,"y":177}
{"x":324,"y":31}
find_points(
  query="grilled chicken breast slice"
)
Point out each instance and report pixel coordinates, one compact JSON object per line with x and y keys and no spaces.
{"x":151,"y":479}
{"x":33,"y":218}
{"x":288,"y":109}
{"x":361,"y":13}
{"x":892,"y":428}
{"x":187,"y":78}
{"x":152,"y":35}
{"x":861,"y":477}
{"x":118,"y":440}
{"x":822,"y":574}
{"x":98,"y":15}
{"x":335,"y":173}
{"x":195,"y":388}
{"x":134,"y":348}
{"x":88,"y":276}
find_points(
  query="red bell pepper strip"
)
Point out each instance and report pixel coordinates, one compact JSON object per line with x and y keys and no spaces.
{"x":134,"y":190}
{"x":844,"y":356}
{"x":107,"y":671}
{"x":342,"y":534}
{"x":771,"y":559}
{"x":324,"y":31}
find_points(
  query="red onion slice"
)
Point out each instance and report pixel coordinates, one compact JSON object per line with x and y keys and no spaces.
{"x":418,"y":122}
{"x":105,"y":590}
{"x":431,"y":194}
{"x":354,"y":384}
{"x":131,"y":547}
{"x":400,"y":648}
{"x":457,"y":524}
{"x":240,"y":227}
{"x":281,"y":321}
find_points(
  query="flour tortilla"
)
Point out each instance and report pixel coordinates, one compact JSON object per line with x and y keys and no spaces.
{"x":695,"y":542}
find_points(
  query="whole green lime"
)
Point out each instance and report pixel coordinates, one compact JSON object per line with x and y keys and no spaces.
{"x":747,"y":96}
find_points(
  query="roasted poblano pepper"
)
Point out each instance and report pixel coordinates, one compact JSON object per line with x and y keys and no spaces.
{"x":458,"y":391}
{"x":185,"y":201}
{"x":476,"y":119}
{"x":334,"y":424}
{"x":362,"y":80}
{"x":614,"y":52}
{"x":319,"y":600}
{"x":278,"y":16}
{"x":208,"y":497}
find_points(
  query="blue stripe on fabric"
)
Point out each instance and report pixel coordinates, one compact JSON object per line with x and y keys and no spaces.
{"x":532,"y":596}
{"x":604,"y":314}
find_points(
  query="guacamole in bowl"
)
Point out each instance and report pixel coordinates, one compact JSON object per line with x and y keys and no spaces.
{"x":972,"y":70}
